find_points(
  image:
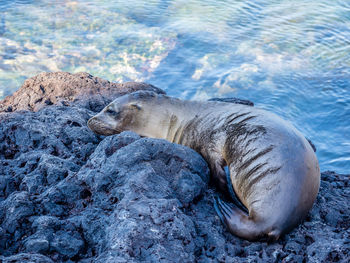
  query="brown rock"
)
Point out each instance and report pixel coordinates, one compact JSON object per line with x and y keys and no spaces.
{"x":63,"y":88}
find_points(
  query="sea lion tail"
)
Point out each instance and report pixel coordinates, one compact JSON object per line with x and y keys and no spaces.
{"x":240,"y":224}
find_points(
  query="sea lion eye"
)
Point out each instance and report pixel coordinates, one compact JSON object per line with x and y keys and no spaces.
{"x":109,"y":111}
{"x":112,"y":112}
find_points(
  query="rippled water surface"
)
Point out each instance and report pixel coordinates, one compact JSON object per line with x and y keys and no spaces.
{"x":290,"y":57}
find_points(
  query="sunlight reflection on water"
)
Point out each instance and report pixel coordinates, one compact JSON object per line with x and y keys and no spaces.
{"x":290,"y":57}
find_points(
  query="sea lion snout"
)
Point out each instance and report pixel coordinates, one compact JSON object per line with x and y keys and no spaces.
{"x":99,"y":126}
{"x":92,"y":124}
{"x":119,"y":115}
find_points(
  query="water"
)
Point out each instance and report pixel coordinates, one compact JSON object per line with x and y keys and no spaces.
{"x":289,"y":57}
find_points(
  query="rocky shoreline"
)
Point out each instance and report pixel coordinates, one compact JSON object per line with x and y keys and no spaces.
{"x":68,"y":195}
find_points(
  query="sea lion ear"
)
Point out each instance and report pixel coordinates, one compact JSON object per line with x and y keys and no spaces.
{"x":135,"y":106}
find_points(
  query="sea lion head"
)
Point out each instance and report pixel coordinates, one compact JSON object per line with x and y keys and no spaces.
{"x":124,"y":113}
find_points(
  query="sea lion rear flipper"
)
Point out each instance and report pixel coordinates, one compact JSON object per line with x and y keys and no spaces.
{"x":233,"y":100}
{"x":240,"y":224}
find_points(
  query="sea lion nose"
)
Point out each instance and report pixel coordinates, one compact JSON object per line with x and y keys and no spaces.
{"x":92,"y":123}
{"x":98,"y":126}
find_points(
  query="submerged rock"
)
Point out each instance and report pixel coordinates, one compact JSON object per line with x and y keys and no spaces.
{"x":67,"y":195}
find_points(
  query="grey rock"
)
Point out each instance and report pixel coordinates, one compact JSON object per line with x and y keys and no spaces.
{"x":67,"y":244}
{"x":15,"y":209}
{"x":37,"y":245}
{"x":26,"y":258}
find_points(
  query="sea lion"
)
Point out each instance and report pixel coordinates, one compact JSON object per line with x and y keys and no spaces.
{"x":273,"y":170}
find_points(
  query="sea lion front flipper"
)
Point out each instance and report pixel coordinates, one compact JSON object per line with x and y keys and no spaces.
{"x":311,"y":144}
{"x":233,"y":194}
{"x":233,"y":100}
{"x":240,"y":224}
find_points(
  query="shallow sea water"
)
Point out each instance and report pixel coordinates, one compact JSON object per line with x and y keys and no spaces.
{"x":289,"y":57}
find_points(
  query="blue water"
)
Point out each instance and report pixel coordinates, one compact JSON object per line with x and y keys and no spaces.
{"x":290,"y":57}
